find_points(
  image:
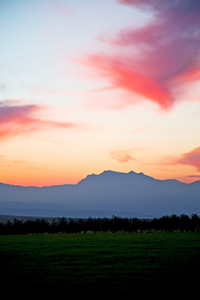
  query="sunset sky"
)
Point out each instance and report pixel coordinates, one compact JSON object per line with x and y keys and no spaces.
{"x":88,"y":86}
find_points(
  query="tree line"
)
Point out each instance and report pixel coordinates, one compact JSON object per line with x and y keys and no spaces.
{"x":171,"y":223}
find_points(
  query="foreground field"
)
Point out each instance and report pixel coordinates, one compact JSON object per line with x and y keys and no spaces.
{"x":101,"y":266}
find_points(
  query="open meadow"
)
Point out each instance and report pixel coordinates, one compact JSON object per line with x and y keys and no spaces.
{"x":100,"y":265}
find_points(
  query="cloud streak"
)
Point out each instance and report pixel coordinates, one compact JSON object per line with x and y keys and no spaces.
{"x":158,"y":58}
{"x":22,"y":119}
{"x":122,"y":156}
{"x":191,"y":158}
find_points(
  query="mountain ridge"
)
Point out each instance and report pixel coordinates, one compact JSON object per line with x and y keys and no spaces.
{"x":96,"y":175}
{"x":136,"y":194}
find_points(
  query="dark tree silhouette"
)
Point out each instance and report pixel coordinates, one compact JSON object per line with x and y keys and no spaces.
{"x":114,"y":224}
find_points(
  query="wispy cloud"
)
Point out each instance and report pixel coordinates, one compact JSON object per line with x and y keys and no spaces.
{"x":192,"y":176}
{"x":122,"y":156}
{"x":191,"y":158}
{"x":157,"y":59}
{"x":22,"y":119}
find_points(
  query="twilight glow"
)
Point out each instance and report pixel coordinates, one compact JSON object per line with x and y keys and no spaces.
{"x":88,"y":86}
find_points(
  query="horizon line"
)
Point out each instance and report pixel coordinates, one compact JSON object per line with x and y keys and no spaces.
{"x":105,"y":171}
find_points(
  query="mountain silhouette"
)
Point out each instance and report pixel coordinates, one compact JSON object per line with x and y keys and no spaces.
{"x":121,"y":194}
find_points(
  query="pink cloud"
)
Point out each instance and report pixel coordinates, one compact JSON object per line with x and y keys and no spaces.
{"x":21,"y":119}
{"x":191,"y":158}
{"x":121,"y":74}
{"x":125,"y":2}
{"x":157,"y":58}
{"x":122,"y":156}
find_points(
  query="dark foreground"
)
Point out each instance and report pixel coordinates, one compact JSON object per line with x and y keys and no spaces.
{"x":101,"y":265}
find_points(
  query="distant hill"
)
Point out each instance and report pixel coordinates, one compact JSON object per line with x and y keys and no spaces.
{"x":121,"y":194}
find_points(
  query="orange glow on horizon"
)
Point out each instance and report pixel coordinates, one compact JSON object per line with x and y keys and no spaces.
{"x":47,"y":181}
{"x":38,"y":182}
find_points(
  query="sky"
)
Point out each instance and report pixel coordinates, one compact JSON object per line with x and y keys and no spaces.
{"x":88,"y":86}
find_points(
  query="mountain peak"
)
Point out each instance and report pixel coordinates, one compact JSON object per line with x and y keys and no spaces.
{"x":113,"y":175}
{"x":110,"y":172}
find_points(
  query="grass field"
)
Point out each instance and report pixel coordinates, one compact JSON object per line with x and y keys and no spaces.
{"x":101,"y":266}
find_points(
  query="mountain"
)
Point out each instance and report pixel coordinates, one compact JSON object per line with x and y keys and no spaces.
{"x":121,"y":194}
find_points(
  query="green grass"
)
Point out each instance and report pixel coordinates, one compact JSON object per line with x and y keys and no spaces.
{"x":101,"y":266}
